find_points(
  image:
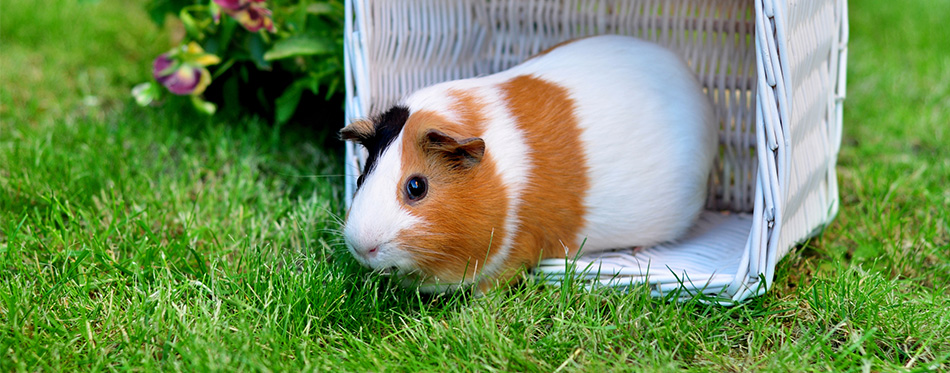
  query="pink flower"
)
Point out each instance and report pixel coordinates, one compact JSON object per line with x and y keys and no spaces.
{"x":183,"y":71}
{"x":249,"y":13}
{"x":178,"y":78}
{"x":231,"y":4}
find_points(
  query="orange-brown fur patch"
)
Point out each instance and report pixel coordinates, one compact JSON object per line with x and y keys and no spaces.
{"x":465,"y":208}
{"x":552,"y":208}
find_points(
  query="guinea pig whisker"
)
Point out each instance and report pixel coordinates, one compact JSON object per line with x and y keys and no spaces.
{"x":312,"y":176}
{"x":333,"y":231}
{"x":334,"y":216}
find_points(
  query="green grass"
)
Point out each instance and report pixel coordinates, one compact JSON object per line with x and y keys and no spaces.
{"x":157,"y":239}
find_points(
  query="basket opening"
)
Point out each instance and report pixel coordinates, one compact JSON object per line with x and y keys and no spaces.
{"x":406,"y":52}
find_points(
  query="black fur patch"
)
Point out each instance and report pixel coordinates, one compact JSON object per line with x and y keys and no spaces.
{"x":388,"y":125}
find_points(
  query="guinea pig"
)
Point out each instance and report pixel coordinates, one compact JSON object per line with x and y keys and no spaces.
{"x":604,"y":142}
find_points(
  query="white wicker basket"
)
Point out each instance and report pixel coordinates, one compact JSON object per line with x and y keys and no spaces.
{"x":774,"y":69}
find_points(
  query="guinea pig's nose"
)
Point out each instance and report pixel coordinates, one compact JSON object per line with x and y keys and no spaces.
{"x":371,"y":253}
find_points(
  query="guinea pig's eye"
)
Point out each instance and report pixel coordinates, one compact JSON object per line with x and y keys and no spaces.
{"x":416,"y":188}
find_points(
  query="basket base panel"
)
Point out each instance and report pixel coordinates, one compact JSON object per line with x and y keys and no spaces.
{"x":708,"y":260}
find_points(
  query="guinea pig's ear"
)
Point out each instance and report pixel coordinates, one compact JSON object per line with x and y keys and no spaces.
{"x":358,"y":131}
{"x":460,"y":152}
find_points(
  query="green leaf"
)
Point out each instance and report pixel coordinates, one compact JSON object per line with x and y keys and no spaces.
{"x":222,"y":68}
{"x":288,"y":101}
{"x":203,"y":106}
{"x":146,"y":93}
{"x":332,"y":87}
{"x":226,"y":31}
{"x":256,"y":47}
{"x":192,"y":28}
{"x":299,"y":45}
{"x":159,"y":9}
{"x":320,"y":8}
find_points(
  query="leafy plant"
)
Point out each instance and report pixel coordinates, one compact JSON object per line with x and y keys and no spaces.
{"x":253,"y":55}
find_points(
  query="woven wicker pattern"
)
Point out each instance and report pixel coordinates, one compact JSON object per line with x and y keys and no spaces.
{"x":773,"y":69}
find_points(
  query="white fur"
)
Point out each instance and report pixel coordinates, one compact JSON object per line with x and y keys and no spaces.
{"x":649,"y":134}
{"x":377,"y":216}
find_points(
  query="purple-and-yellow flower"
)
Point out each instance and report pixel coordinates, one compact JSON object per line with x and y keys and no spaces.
{"x":183,"y":70}
{"x":249,"y":13}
